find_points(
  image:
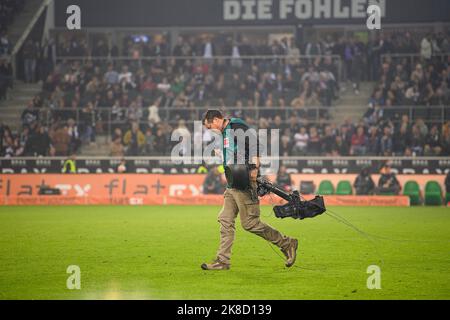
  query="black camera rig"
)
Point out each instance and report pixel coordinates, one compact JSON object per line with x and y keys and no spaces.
{"x":238,"y":178}
{"x":295,"y":208}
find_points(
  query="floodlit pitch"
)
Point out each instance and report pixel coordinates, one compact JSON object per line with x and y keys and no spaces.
{"x":155,"y":253}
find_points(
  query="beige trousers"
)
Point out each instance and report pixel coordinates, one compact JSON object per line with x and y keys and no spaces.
{"x":242,"y":202}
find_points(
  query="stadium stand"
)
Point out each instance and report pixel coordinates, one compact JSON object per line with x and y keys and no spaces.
{"x":102,"y":89}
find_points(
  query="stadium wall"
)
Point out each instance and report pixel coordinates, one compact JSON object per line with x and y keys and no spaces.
{"x":156,"y":189}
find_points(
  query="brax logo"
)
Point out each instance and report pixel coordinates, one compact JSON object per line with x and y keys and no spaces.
{"x":226,"y":143}
{"x":18,"y":162}
{"x":41,"y":162}
{"x":92,"y":162}
{"x":141,"y":162}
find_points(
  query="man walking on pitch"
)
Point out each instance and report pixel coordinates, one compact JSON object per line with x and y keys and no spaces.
{"x":244,"y":202}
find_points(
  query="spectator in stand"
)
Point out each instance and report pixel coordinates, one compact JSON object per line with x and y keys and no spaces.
{"x":314,"y":142}
{"x":30,"y":115}
{"x":117,"y":148}
{"x":426,"y":49}
{"x":328,"y":141}
{"x":340,"y":147}
{"x":445,"y":139}
{"x":313,"y":48}
{"x":117,"y":134}
{"x":134,"y":112}
{"x":122,"y":167}
{"x":126,"y":78}
{"x":8,"y":146}
{"x":373,"y":142}
{"x":153,"y":113}
{"x":74,"y":136}
{"x":70,"y":165}
{"x":433,"y":143}
{"x":134,"y":140}
{"x":88,"y":123}
{"x":38,"y":143}
{"x":402,"y":139}
{"x":301,"y":141}
{"x":160,"y":142}
{"x":111,"y":76}
{"x":235,"y":53}
{"x":417,"y":141}
{"x":388,"y":183}
{"x":22,"y":142}
{"x":48,"y":58}
{"x":285,"y":143}
{"x":364,"y":184}
{"x":386,"y":142}
{"x":359,"y":142}
{"x":5,"y":45}
{"x":208,"y":50}
{"x":61,"y":139}
{"x":356,"y":65}
{"x":30,"y":53}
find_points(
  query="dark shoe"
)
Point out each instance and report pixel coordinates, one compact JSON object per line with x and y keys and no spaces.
{"x":291,"y":253}
{"x":215,"y":265}
{"x":286,"y":249}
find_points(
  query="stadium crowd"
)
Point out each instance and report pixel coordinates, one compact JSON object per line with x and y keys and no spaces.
{"x":423,"y":80}
{"x":145,"y":100}
{"x":383,"y":138}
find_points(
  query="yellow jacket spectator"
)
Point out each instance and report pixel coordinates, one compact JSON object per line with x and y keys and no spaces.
{"x":70,"y":165}
{"x":134,"y":140}
{"x":202,"y":169}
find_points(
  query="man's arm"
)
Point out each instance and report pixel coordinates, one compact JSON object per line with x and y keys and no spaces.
{"x":254,"y":171}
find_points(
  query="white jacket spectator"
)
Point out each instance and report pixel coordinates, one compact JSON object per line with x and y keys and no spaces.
{"x":125,"y":74}
{"x":301,"y":140}
{"x":426,"y":48}
{"x":153,"y":113}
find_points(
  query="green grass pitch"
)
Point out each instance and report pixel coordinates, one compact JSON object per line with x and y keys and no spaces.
{"x":156,"y":252}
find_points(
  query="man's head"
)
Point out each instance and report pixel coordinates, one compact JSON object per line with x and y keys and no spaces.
{"x":213,"y":120}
